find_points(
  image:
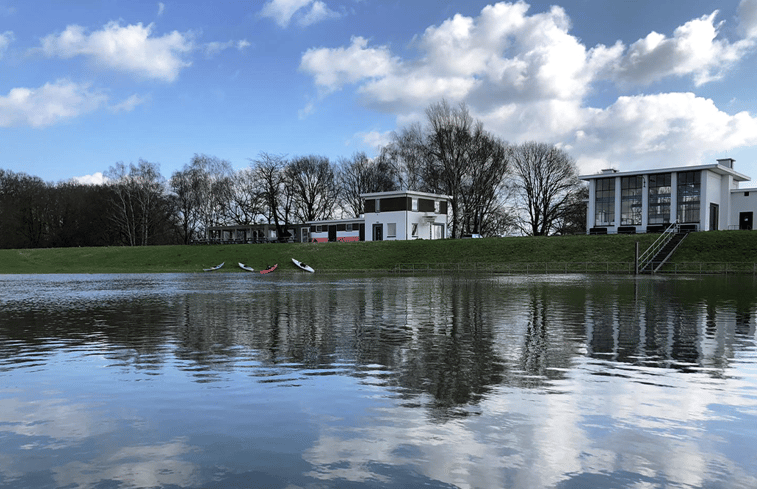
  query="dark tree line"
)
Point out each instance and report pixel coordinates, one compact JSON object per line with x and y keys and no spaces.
{"x":494,"y":188}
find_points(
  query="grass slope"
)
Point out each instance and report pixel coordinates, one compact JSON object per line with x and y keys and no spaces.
{"x":383,"y":255}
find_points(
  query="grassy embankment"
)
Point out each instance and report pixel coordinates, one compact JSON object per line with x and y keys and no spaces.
{"x":614,"y":253}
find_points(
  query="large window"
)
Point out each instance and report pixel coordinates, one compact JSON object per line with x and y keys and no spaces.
{"x":688,"y":197}
{"x":604,"y":204}
{"x":659,"y":198}
{"x":630,"y":201}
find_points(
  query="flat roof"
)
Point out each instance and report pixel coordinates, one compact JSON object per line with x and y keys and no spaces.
{"x":337,"y":221}
{"x":400,"y":193}
{"x":713,"y":167}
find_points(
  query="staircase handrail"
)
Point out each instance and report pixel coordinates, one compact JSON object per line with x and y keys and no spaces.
{"x":658,"y":244}
{"x":670,"y":253}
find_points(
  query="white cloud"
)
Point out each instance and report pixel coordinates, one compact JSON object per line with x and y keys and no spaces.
{"x":307,"y":12}
{"x":318,"y":12}
{"x":215,"y":47}
{"x":528,"y":78}
{"x":6,"y":38}
{"x":333,"y":68}
{"x":161,"y":8}
{"x":664,"y":127}
{"x":748,"y":18}
{"x":129,"y":104}
{"x":693,"y":50}
{"x":131,"y":48}
{"x":94,"y":179}
{"x":375,"y":139}
{"x":49,"y":104}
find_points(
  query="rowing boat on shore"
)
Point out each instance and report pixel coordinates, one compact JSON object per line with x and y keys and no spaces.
{"x":301,"y":265}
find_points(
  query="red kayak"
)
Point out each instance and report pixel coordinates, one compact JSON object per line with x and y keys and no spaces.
{"x":270,"y":269}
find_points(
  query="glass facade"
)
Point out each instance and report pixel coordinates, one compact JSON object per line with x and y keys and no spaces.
{"x":688,"y":197}
{"x":659,"y":199}
{"x":604,"y":205}
{"x":630,"y":201}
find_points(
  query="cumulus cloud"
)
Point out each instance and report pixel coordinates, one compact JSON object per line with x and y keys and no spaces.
{"x":305,"y":12}
{"x":694,"y":49}
{"x":663,"y":127}
{"x":333,"y":68}
{"x":131,"y":48}
{"x":48,"y":104}
{"x":528,"y":78}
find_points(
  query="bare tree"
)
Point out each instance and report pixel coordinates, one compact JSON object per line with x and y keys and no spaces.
{"x":483,"y":184}
{"x":407,"y":156}
{"x":546,"y":179}
{"x":269,"y":171}
{"x":247,"y":203}
{"x":360,"y":175}
{"x":138,"y":206}
{"x":186,"y":185}
{"x":314,"y":184}
{"x":452,"y":155}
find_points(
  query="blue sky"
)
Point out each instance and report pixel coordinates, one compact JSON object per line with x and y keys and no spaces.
{"x":627,"y":84}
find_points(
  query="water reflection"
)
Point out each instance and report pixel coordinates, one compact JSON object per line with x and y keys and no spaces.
{"x":214,"y":380}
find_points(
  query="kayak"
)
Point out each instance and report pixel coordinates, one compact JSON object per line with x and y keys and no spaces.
{"x":213,"y":268}
{"x":270,"y":269}
{"x":307,"y":268}
{"x":245,"y":267}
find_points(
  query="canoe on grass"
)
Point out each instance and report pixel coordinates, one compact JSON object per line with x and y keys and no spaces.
{"x":270,"y":269}
{"x":307,"y":268}
{"x":213,"y":268}
{"x":245,"y":267}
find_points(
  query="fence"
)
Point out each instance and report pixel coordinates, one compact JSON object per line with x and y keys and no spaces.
{"x":693,"y":268}
{"x":517,"y":268}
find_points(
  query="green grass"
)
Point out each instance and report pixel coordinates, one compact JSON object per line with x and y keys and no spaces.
{"x":324,"y":256}
{"x":725,"y":246}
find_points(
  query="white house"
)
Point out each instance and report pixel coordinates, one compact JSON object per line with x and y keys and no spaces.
{"x":402,"y":215}
{"x":702,"y":197}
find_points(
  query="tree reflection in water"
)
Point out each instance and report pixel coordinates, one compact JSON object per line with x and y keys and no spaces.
{"x":366,"y":379}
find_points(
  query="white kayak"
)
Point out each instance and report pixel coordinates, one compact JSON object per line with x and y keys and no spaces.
{"x":307,"y":268}
{"x":213,"y":268}
{"x":245,"y":267}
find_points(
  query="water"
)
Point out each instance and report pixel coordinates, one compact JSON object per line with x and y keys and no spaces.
{"x":289,"y":381}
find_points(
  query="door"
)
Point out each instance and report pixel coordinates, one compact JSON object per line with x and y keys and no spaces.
{"x":714,"y":216}
{"x":378,"y":232}
{"x":362,"y":231}
{"x":745,"y":220}
{"x":332,"y":233}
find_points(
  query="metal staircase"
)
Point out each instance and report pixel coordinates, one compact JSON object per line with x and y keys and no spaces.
{"x":662,"y":249}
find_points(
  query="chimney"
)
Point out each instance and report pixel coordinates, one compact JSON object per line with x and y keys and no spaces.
{"x":726,"y":162}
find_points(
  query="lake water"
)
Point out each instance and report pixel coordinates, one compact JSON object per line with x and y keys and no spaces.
{"x":305,"y":381}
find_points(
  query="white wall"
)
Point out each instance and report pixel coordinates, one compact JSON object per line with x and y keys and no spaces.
{"x":740,"y":202}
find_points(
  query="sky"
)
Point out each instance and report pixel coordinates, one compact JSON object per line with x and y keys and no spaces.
{"x":624,"y":84}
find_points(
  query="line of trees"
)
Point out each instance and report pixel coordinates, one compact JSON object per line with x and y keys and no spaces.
{"x":495,"y":188}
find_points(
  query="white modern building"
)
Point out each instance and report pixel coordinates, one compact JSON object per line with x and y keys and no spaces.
{"x":702,"y":197}
{"x":398,"y":215}
{"x":404,"y":215}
